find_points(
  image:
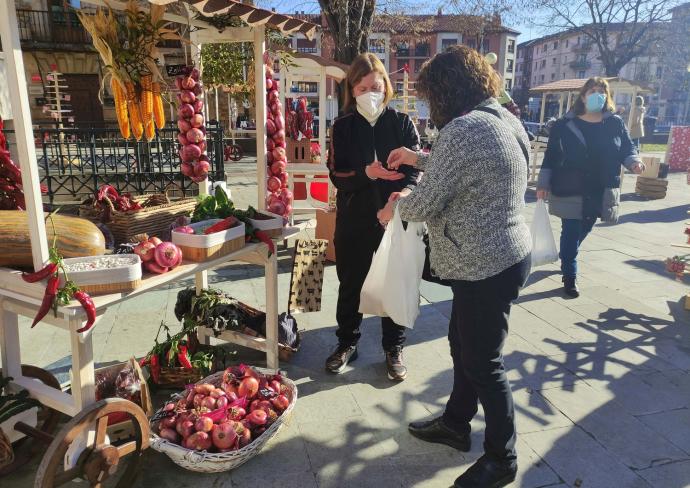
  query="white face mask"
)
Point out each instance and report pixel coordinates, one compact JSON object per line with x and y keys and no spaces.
{"x":370,"y":105}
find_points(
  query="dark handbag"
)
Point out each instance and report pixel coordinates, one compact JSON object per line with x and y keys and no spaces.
{"x":567,"y":181}
{"x":427,"y":275}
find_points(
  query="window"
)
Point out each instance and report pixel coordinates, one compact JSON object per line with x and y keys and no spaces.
{"x":486,"y":46}
{"x":398,"y":87}
{"x":581,"y":74}
{"x":563,"y":76}
{"x":402,"y":50}
{"x":509,"y":84}
{"x":553,"y":61}
{"x":422,"y":50}
{"x":402,"y":63}
{"x":541,"y":78}
{"x":553,"y":76}
{"x":582,"y":58}
{"x":377,"y":46}
{"x":555,"y":45}
{"x":566,"y":43}
{"x":472,"y":44}
{"x":565,"y":59}
{"x":544,"y":48}
{"x":306,"y":46}
{"x":511,"y":45}
{"x":536,"y":65}
{"x":543,"y":63}
{"x":446,"y":43}
{"x":509,"y":67}
{"x":578,"y":40}
{"x":535,"y":80}
{"x":659,"y":71}
{"x":418,"y":65}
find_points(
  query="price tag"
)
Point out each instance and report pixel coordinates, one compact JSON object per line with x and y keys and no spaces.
{"x":175,"y":69}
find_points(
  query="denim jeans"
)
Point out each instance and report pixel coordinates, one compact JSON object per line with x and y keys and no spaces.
{"x":573,"y":232}
{"x":477,"y":331}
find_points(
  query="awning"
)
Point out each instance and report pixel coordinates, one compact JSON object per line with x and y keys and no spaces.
{"x":575,"y":85}
{"x":249,"y":14}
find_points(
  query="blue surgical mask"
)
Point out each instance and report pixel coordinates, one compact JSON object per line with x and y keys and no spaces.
{"x":595,"y":102}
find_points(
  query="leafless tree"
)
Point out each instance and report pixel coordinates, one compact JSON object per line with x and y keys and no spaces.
{"x":621,"y":30}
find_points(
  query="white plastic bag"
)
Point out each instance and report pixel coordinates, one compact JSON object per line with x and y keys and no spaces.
{"x":544,"y":249}
{"x":391,"y":288}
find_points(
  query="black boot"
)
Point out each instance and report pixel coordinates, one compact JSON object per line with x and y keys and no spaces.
{"x":570,"y":287}
{"x":438,"y":432}
{"x":487,"y":473}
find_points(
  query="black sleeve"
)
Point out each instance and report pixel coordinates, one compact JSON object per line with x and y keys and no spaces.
{"x":410,"y":138}
{"x":345,"y":176}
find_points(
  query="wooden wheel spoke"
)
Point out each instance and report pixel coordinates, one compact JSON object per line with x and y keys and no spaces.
{"x":127,"y":448}
{"x":69,"y":475}
{"x":101,"y":430}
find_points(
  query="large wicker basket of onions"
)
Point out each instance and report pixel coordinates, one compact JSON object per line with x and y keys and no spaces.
{"x":223,"y":420}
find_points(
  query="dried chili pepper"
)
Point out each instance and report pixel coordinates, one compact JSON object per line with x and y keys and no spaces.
{"x":155,"y":368}
{"x":224,"y":224}
{"x":183,"y":356}
{"x":41,"y":274}
{"x":263,"y":237}
{"x":88,"y":306}
{"x":48,"y":299}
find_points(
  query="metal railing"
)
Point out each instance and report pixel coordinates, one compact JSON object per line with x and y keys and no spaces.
{"x":580,"y":64}
{"x":43,"y":28}
{"x":74,"y":163}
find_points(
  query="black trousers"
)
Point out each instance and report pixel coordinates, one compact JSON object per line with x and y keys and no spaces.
{"x":477,"y":331}
{"x":354,"y":248}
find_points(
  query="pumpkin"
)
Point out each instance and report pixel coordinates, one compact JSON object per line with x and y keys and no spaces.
{"x":76,"y":237}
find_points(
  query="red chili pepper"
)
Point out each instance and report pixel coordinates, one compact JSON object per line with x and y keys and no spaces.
{"x":263,"y":237}
{"x":88,"y":305}
{"x":144,"y":361}
{"x":41,"y":274}
{"x":48,"y":299}
{"x":224,"y":224}
{"x":183,"y":356}
{"x":15,"y":174}
{"x":155,"y":368}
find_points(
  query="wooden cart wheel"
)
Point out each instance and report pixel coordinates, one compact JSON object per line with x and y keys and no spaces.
{"x":99,"y":460}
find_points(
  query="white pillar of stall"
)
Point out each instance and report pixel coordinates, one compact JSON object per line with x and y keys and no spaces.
{"x":543,"y":108}
{"x":260,"y":90}
{"x":26,"y":151}
{"x":323,"y":111}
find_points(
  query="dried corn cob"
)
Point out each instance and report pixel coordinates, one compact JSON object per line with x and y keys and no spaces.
{"x":146,"y":101}
{"x":120,"y":107}
{"x":158,"y":108}
{"x":135,"y":121}
{"x":150,"y":131}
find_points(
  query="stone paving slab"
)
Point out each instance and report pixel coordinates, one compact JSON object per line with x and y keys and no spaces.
{"x":601,"y":384}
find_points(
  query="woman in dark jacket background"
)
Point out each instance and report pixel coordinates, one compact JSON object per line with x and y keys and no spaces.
{"x":580,"y":173}
{"x":362,"y":138}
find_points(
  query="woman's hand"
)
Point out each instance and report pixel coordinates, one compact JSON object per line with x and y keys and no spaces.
{"x":376,"y":171}
{"x":396,"y":195}
{"x":638,"y":168}
{"x":400,"y":156}
{"x":542,"y":194}
{"x":386,"y":213}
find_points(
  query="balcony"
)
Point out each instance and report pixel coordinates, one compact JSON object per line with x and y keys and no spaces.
{"x":580,"y":64}
{"x":583,"y":47}
{"x":43,"y":29}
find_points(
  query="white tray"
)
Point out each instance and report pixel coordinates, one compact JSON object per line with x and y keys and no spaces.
{"x":276,"y":222}
{"x":207,"y":241}
{"x":103,"y":276}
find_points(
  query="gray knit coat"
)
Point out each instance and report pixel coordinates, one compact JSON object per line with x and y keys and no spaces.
{"x":472,"y":196}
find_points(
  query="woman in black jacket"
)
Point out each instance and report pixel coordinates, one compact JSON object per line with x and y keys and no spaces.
{"x":362,"y":138}
{"x":581,"y":171}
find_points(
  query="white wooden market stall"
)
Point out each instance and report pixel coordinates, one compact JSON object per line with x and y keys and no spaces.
{"x":306,"y":67}
{"x":18,"y":298}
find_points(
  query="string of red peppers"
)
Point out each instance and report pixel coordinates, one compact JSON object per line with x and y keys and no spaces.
{"x":54,"y":294}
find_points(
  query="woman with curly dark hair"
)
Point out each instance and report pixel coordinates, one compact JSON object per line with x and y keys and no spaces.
{"x":471,"y":197}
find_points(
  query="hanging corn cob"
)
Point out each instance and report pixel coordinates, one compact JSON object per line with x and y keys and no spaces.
{"x":158,"y":108}
{"x":120,"y":106}
{"x":135,"y":120}
{"x":146,"y":105}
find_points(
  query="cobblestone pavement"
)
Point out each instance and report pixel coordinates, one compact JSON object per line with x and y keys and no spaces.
{"x":601,"y":383}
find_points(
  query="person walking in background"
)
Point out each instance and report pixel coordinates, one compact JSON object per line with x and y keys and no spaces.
{"x":472,"y":197}
{"x":362,"y":139}
{"x":580,"y":174}
{"x":637,"y":125}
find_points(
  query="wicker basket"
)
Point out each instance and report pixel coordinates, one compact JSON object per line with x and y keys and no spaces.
{"x":271,"y":224}
{"x":6,"y":452}
{"x":154,"y":218}
{"x":178,"y":377}
{"x":206,"y":462}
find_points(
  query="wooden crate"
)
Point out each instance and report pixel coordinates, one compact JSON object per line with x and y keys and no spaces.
{"x":299,"y":151}
{"x":653,"y":188}
{"x":201,"y":254}
{"x":153,"y":220}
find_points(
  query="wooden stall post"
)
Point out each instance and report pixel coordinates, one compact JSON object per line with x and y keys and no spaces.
{"x":260,"y":89}
{"x":323,"y":105}
{"x":543,"y":108}
{"x":16,"y":81}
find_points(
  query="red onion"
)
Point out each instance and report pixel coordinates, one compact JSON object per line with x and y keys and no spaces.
{"x":198,"y":106}
{"x":273,"y":96}
{"x":187,"y":169}
{"x":279,"y":137}
{"x":273,"y":184}
{"x":188,"y":96}
{"x":194,"y":135}
{"x":277,"y":208}
{"x":183,"y":125}
{"x":202,"y":168}
{"x":182,"y":139}
{"x":279,"y":121}
{"x":145,"y":250}
{"x":279,"y":154}
{"x":188,"y":83}
{"x":269,"y":157}
{"x":190,"y":152}
{"x":270,"y":128}
{"x":170,"y":435}
{"x":269,"y":83}
{"x":194,"y":73}
{"x":287,"y":197}
{"x":278,"y":167}
{"x":166,"y":255}
{"x":197,"y":120}
{"x":283,"y":177}
{"x":270,"y":144}
{"x":224,"y":435}
{"x":178,"y":82}
{"x":154,"y":267}
{"x":185,"y":111}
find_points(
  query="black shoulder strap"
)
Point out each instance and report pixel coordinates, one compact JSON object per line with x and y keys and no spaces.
{"x":523,"y":146}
